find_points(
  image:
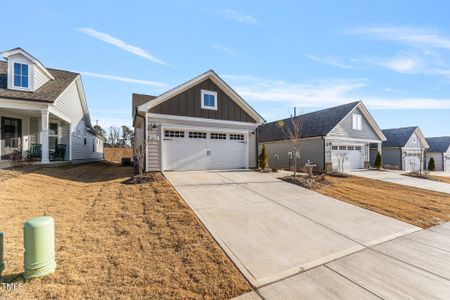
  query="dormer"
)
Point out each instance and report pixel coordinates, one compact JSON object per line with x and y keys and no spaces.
{"x":25,"y":72}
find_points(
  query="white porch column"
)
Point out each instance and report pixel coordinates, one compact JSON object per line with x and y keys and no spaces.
{"x":70,"y":141}
{"x":379,"y":147}
{"x":44,"y":136}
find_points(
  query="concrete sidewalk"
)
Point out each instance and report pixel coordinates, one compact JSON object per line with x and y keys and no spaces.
{"x":414,"y":266}
{"x":398,"y":178}
{"x":272,"y":229}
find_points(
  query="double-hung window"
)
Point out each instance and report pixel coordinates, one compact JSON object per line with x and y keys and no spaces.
{"x":209,"y":99}
{"x":357,"y":120}
{"x":20,"y":75}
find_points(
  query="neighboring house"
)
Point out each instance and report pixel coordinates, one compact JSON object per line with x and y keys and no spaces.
{"x":201,"y":124}
{"x":404,"y":149}
{"x":43,"y":111}
{"x":440,"y":151}
{"x":334,"y":139}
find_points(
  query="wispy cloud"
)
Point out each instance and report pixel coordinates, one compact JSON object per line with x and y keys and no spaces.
{"x":324,"y":93}
{"x":423,"y":37}
{"x":238,"y":16}
{"x":404,"y":64}
{"x":104,"y":37}
{"x":330,"y":61}
{"x":124,"y":79}
{"x":225,"y":49}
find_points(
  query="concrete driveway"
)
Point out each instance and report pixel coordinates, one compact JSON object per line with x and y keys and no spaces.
{"x":273,"y":230}
{"x":397,"y":177}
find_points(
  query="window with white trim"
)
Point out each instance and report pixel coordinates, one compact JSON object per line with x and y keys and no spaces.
{"x":334,"y":147}
{"x":20,"y":75}
{"x":197,"y":135}
{"x":357,"y":120}
{"x":218,"y":136}
{"x":174,"y":133}
{"x":351,"y":148}
{"x":237,"y":137}
{"x":209,"y":99}
{"x":342,"y":147}
{"x":358,"y":148}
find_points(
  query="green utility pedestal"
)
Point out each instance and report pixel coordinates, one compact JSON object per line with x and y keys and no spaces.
{"x":39,"y":245}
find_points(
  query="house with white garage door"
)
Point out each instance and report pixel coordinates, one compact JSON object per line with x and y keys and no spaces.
{"x":404,"y":149}
{"x":199,"y":125}
{"x":440,"y":151}
{"x":332,"y":139}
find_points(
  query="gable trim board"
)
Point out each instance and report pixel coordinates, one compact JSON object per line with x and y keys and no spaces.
{"x":196,"y":148}
{"x":146,"y":107}
{"x":340,"y":145}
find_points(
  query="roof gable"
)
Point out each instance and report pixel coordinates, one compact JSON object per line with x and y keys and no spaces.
{"x":314,"y":124}
{"x":214,"y":78}
{"x":399,"y":137}
{"x":47,"y":93}
{"x":439,"y":144}
{"x":34,"y":60}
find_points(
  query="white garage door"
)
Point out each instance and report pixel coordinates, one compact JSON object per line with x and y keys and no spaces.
{"x":202,"y":150}
{"x":447,"y":163}
{"x":347,"y":157}
{"x":411,"y":162}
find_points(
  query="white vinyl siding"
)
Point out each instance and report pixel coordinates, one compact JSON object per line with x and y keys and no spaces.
{"x":69,"y":103}
{"x":39,"y":78}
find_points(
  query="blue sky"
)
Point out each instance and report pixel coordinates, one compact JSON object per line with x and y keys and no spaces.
{"x":310,"y":54}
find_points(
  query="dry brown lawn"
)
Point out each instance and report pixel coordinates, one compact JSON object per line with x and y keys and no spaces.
{"x":116,"y":154}
{"x":441,"y":179}
{"x":408,"y":204}
{"x":113,"y":240}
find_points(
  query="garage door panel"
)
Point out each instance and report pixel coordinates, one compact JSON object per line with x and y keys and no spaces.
{"x":185,"y":153}
{"x":348,"y":157}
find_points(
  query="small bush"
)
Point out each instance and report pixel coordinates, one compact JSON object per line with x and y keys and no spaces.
{"x":263,"y":159}
{"x":431,"y":165}
{"x":378,"y":160}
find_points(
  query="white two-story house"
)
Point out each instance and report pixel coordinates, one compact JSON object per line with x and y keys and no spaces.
{"x":43,"y":113}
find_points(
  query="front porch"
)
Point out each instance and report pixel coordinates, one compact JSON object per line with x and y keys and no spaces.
{"x":38,"y":136}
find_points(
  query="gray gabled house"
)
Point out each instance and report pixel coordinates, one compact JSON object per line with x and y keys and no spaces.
{"x":404,"y":149}
{"x":440,"y":151}
{"x":334,"y":139}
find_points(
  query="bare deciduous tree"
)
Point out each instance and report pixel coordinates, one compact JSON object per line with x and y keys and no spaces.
{"x":293,"y":132}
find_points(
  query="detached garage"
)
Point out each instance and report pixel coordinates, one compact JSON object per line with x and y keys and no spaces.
{"x":440,"y":151}
{"x":202,"y":124}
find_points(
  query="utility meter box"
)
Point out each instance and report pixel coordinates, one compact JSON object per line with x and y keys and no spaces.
{"x":39,"y":246}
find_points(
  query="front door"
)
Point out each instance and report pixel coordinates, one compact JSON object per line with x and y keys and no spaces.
{"x":11,"y":136}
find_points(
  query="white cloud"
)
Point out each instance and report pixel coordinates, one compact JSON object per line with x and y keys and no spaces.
{"x":238,"y":16}
{"x":122,"y":45}
{"x":324,"y":93}
{"x":403,"y":64}
{"x":123,"y":79}
{"x":428,"y":38}
{"x":225,"y":49}
{"x":329,"y":61}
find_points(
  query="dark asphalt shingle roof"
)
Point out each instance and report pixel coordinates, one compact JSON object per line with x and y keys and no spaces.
{"x":438,"y":144}
{"x":139,"y":99}
{"x":318,"y":123}
{"x":48,"y":92}
{"x":397,"y":137}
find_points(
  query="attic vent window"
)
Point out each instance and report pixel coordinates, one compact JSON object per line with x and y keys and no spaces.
{"x":357,"y":120}
{"x":20,"y":75}
{"x":209,"y":99}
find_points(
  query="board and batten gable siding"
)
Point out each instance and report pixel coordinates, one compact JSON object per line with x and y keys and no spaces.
{"x":188,"y":104}
{"x":345,"y":128}
{"x":311,"y":149}
{"x":69,"y":103}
